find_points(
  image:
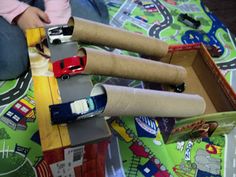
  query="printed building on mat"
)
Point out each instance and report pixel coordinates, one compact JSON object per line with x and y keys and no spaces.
{"x":20,"y":113}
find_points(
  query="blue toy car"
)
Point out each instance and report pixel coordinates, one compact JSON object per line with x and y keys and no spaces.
{"x":79,"y":109}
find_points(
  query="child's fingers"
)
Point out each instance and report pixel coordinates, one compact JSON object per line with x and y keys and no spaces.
{"x":43,"y":16}
{"x":39,"y":23}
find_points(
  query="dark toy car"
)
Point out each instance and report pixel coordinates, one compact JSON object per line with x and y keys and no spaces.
{"x":80,"y":109}
{"x":67,"y":67}
{"x":214,"y":51}
{"x":189,"y":21}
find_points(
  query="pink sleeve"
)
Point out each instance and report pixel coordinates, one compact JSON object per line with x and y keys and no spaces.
{"x":11,"y":8}
{"x":59,"y":11}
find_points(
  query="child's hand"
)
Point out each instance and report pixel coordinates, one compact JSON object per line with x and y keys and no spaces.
{"x":32,"y":17}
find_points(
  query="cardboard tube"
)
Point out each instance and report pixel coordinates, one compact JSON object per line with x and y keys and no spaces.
{"x":110,"y":64}
{"x":127,"y":101}
{"x":100,"y":34}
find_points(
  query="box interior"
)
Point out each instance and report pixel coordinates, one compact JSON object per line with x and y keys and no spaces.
{"x":201,"y":79}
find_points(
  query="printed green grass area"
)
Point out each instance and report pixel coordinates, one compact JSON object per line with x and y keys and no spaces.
{"x":7,"y":86}
{"x":22,"y":138}
{"x":228,"y":76}
{"x":14,"y":161}
{"x":125,"y":155}
{"x":15,"y":165}
{"x":134,"y":28}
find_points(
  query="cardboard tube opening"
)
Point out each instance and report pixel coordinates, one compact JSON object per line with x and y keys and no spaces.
{"x":98,"y":89}
{"x":71,"y":22}
{"x":82,"y":52}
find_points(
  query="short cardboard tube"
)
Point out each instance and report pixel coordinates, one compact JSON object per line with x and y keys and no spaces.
{"x":101,"y":34}
{"x":126,"y":101}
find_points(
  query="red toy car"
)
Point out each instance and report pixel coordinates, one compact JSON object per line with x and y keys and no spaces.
{"x":67,"y":67}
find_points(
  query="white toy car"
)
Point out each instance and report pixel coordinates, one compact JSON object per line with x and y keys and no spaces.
{"x":60,"y":34}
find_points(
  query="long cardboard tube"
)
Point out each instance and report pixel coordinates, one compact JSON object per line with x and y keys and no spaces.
{"x":126,"y":101}
{"x":100,"y":34}
{"x":110,"y":64}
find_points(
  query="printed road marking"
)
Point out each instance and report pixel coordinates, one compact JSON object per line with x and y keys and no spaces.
{"x":21,"y":85}
{"x":3,"y":149}
{"x":26,"y":75}
{"x":109,"y":151}
{"x":6,"y":98}
{"x":16,"y":92}
{"x":113,"y":170}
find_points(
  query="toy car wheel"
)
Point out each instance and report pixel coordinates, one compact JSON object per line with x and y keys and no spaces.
{"x":179,"y":88}
{"x":196,"y":25}
{"x":194,"y":165}
{"x":65,"y":76}
{"x":56,"y":41}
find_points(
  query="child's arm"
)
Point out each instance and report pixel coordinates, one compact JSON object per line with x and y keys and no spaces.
{"x":59,"y":11}
{"x":25,"y":16}
{"x":32,"y":17}
{"x":22,"y":14}
{"x":12,"y":8}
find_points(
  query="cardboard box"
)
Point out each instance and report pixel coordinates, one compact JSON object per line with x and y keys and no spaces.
{"x":76,"y":149}
{"x":205,"y":79}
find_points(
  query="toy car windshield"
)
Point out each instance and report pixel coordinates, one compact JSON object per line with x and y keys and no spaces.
{"x":82,"y":106}
{"x":79,"y":109}
{"x":54,"y":31}
{"x":65,"y":30}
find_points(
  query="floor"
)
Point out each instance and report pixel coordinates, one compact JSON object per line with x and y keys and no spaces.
{"x":225,"y":11}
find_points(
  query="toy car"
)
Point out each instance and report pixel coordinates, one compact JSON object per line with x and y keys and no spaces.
{"x":67,"y":67}
{"x":214,"y":51}
{"x":189,"y":21}
{"x":61,"y":34}
{"x":80,"y":109}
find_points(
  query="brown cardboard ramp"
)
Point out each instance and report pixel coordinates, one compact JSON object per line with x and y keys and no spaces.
{"x":123,"y":101}
{"x":100,"y":34}
{"x":110,"y":64}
